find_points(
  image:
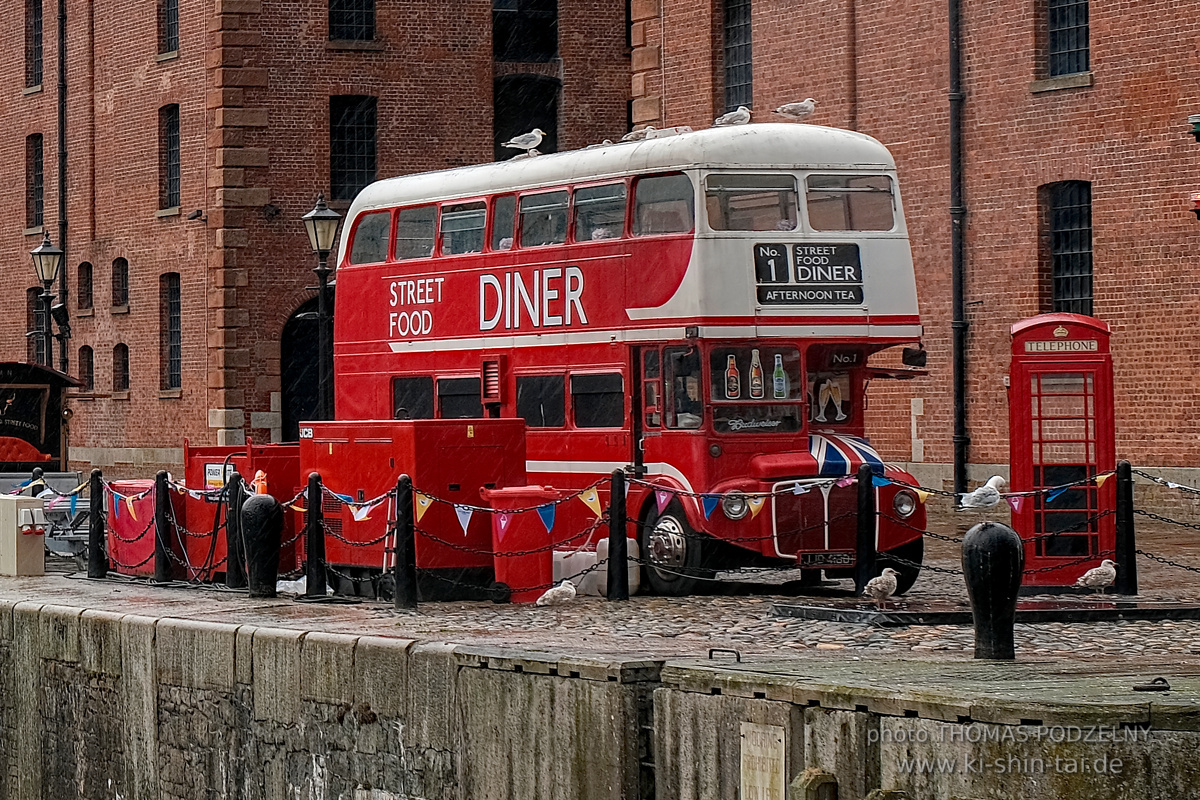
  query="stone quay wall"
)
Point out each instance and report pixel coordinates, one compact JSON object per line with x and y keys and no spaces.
{"x":95,"y":704}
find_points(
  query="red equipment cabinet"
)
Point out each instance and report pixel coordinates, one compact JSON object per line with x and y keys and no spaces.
{"x":1061,"y":430}
{"x":523,"y":548}
{"x":449,"y":461}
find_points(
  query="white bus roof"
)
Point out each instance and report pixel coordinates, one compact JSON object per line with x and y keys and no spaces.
{"x":754,"y":146}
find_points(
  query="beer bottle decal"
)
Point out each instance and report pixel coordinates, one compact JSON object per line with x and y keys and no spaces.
{"x":779,"y":379}
{"x":756,"y":376}
{"x":733,"y":381}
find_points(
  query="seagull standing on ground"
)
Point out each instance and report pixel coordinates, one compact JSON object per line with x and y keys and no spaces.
{"x":558,"y":595}
{"x":881,"y":588}
{"x":1100,"y":577}
{"x":797,"y":110}
{"x":526,"y":141}
{"x":985,"y":496}
{"x":740,"y":116}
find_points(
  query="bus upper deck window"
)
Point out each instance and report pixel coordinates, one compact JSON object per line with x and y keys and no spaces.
{"x":415,"y":232}
{"x":663,"y":204}
{"x":599,"y":212}
{"x":850,"y":203}
{"x":371,"y":238}
{"x":751,"y":202}
{"x":462,"y":228}
{"x":543,"y":219}
{"x":504,"y":217}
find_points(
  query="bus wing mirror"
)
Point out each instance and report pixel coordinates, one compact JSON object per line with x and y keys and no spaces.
{"x":914,"y":356}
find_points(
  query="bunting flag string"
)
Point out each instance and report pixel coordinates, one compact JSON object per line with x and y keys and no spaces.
{"x":710,"y":503}
{"x":592,"y":500}
{"x":464,"y":514}
{"x":546,"y":512}
{"x":502,"y":521}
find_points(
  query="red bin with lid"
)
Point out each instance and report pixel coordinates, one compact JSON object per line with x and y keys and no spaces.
{"x":522,"y":542}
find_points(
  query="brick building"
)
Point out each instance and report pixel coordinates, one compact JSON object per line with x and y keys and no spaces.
{"x":200,"y":131}
{"x":1077,"y":160}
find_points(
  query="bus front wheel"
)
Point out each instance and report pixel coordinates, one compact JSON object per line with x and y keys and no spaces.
{"x":670,"y":551}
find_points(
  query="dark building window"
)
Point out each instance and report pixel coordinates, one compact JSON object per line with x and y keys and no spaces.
{"x":168,"y":26}
{"x":1067,"y":215}
{"x":352,"y":162}
{"x":33,"y":42}
{"x":120,"y":282}
{"x":522,"y":103}
{"x":121,"y":368}
{"x":352,"y":20}
{"x":739,"y":73}
{"x":35,"y":186}
{"x":1067,"y":36}
{"x":35,"y":321}
{"x":524,"y":30}
{"x":171,"y":331}
{"x":168,"y":157}
{"x":83,"y":286}
{"x":87,"y":369}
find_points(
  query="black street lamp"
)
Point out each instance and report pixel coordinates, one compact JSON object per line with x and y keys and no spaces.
{"x":46,"y":262}
{"x":322,"y":226}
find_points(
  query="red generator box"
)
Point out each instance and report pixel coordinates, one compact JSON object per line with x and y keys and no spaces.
{"x":206,"y":471}
{"x":130,"y":529}
{"x":449,"y":462}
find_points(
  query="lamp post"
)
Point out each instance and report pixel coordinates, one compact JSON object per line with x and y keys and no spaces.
{"x":46,"y":261}
{"x":322,"y":226}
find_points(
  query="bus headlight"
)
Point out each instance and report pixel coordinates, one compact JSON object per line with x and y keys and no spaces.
{"x":905,"y":503}
{"x":734,"y":505}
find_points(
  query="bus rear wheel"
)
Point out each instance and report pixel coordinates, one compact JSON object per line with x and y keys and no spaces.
{"x":906,"y":560}
{"x":670,"y":550}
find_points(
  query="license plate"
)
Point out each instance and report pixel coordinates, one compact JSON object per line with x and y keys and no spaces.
{"x":836,"y":558}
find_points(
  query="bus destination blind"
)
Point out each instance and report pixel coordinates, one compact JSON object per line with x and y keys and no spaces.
{"x":815,"y":274}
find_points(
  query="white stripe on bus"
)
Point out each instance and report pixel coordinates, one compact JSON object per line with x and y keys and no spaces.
{"x":604,"y":467}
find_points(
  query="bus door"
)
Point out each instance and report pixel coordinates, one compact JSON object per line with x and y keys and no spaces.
{"x":1061,"y":436}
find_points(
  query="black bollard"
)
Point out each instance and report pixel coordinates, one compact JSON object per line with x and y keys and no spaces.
{"x":162,"y":528}
{"x":1126,"y":554}
{"x":864,"y":541}
{"x":618,"y":547}
{"x":262,"y":529}
{"x":97,"y":555}
{"x":993,"y":560}
{"x":314,"y":541}
{"x":406,"y":547}
{"x":36,"y":483}
{"x":235,"y":539}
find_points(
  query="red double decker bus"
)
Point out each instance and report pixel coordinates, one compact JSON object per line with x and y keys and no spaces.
{"x":698,"y":307}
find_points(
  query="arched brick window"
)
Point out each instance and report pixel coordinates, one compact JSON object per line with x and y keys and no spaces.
{"x":87,"y":375}
{"x":83,"y":286}
{"x":120,"y":368}
{"x":120,"y":283}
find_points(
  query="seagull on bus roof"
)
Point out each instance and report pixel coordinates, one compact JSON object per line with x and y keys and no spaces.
{"x":739,"y":116}
{"x":1100,"y":577}
{"x":638,"y":135}
{"x":530,"y":153}
{"x":985,"y":496}
{"x":605,"y":143}
{"x":797,"y":110}
{"x":881,"y":588}
{"x":526,"y":141}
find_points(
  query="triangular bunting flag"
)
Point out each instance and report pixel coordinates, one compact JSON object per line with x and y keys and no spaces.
{"x":879,"y":480}
{"x":1016,"y":501}
{"x":295,"y":507}
{"x":1100,"y":479}
{"x":361,"y":513}
{"x":662,"y":497}
{"x":592,"y":500}
{"x":117,"y":505}
{"x":1050,"y":498}
{"x":846,"y":481}
{"x":422,"y":502}
{"x":129,"y":505}
{"x":345,"y":498}
{"x":55,"y":501}
{"x":756,"y":504}
{"x":74,"y":503}
{"x":710,"y":503}
{"x":546,"y":512}
{"x":922,"y":495}
{"x":502,"y":520}
{"x":464,"y":514}
{"x":800,"y":488}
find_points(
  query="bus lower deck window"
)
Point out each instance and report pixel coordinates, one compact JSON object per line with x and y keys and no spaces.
{"x":541,"y":400}
{"x":371,"y":238}
{"x":543,"y":219}
{"x":850,"y":203}
{"x":751,"y":202}
{"x":598,"y":400}
{"x":599,"y":212}
{"x":663,"y":204}
{"x":412,"y":398}
{"x":415,"y":232}
{"x":462,"y":228}
{"x":459,"y":398}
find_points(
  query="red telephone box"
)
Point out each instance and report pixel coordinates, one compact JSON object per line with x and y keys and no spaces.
{"x":1061,"y":431}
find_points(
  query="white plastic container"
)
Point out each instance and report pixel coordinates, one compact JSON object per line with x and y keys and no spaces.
{"x":569,"y":564}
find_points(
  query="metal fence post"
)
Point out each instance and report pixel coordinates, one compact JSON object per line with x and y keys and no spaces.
{"x":35,"y":477}
{"x":162,"y":500}
{"x":235,"y":540}
{"x":314,"y":541}
{"x":864,"y":542}
{"x":97,"y":552}
{"x":1126,"y":545}
{"x":618,"y":549}
{"x":405,"y":595}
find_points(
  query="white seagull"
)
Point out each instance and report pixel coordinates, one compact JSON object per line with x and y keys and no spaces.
{"x":797,"y":110}
{"x":881,"y":588}
{"x":985,"y":496}
{"x":1100,"y":577}
{"x":638,"y":135}
{"x":526,"y":141}
{"x":558,"y":595}
{"x":740,"y":116}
